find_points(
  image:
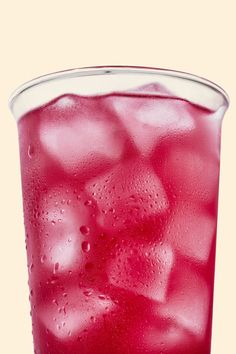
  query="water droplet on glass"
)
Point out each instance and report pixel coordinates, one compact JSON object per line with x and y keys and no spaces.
{"x":31,"y":267}
{"x":54,"y":280}
{"x":86,"y":246}
{"x":88,"y":292}
{"x":30,"y":151}
{"x":56,"y":267}
{"x":88,"y":202}
{"x":43,"y":258}
{"x":102,"y":297}
{"x":84,"y":230}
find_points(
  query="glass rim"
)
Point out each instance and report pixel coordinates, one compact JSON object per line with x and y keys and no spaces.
{"x":115,"y":69}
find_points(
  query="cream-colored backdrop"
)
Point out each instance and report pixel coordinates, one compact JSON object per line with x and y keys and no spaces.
{"x":38,"y":37}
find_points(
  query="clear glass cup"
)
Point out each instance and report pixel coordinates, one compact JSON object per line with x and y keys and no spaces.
{"x":120,"y":173}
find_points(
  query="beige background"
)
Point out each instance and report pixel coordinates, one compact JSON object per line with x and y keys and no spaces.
{"x":38,"y":37}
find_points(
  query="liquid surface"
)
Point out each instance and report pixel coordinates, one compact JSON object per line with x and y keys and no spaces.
{"x":120,"y":203}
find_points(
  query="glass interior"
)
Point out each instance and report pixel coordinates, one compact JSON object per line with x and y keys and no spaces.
{"x":108,"y":79}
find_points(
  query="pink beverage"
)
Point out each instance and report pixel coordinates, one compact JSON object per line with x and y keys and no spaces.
{"x":120,"y":191}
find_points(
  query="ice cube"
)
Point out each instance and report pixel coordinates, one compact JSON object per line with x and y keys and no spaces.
{"x":153,"y":339}
{"x":66,"y":317}
{"x":148,"y":119}
{"x":188,"y":301}
{"x":85,"y":133}
{"x":144,"y":270}
{"x":65,"y":102}
{"x":62,"y":216}
{"x":208,"y":129}
{"x":128,"y":193}
{"x":35,"y":161}
{"x":191,"y":175}
{"x":151,"y":88}
{"x":191,"y":231}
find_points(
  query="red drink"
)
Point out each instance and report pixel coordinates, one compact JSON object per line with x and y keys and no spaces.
{"x":120,"y":203}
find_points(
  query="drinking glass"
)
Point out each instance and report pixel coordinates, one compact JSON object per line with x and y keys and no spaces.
{"x":120,"y":172}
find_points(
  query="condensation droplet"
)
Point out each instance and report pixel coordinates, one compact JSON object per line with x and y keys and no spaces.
{"x":30,"y":151}
{"x":102,"y":297}
{"x":43,"y":259}
{"x":31,"y":267}
{"x":56,"y":267}
{"x":88,"y":292}
{"x":85,"y":230}
{"x":93,"y":319}
{"x":54,"y":301}
{"x":86,"y":246}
